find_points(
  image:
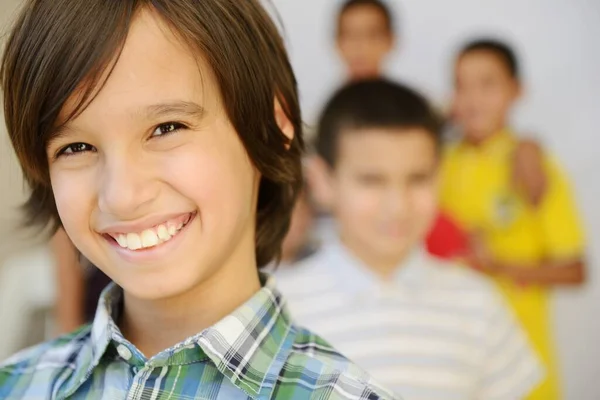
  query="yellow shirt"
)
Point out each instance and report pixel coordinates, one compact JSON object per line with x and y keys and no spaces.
{"x":477,"y":191}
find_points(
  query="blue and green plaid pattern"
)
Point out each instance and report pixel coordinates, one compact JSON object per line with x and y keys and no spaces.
{"x":254,"y":353}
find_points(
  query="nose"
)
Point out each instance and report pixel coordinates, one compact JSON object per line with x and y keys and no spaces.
{"x":126,"y":186}
{"x":397,"y":201}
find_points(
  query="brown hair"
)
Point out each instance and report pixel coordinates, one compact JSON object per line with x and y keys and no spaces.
{"x":375,"y":103}
{"x":57,"y":46}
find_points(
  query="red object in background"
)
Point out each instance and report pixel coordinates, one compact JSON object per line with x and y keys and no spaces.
{"x":446,"y":239}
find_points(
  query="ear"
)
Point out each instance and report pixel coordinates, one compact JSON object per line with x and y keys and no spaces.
{"x":320,"y":182}
{"x":518,"y":90}
{"x":283,"y":122}
{"x":394,"y":43}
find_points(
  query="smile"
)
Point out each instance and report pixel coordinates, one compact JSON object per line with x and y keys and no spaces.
{"x":152,"y":237}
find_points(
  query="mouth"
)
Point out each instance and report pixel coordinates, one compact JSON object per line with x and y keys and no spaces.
{"x":151,"y":237}
{"x":394,"y":231}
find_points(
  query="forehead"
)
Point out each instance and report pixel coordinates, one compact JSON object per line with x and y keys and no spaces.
{"x":387,"y":148}
{"x":481,"y":61}
{"x":154,"y":66}
{"x":362,"y":15}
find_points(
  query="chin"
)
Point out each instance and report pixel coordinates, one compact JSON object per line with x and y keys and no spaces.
{"x":476,"y":131}
{"x":154,"y":288}
{"x":163,"y":282}
{"x":393,"y":251}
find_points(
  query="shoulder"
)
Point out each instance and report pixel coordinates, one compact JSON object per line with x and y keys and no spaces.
{"x":451,"y":158}
{"x":305,"y":277}
{"x":322,"y":372}
{"x":37,"y":371}
{"x":451,"y":151}
{"x":462,"y":284}
{"x":455,"y":275}
{"x":556,"y":173}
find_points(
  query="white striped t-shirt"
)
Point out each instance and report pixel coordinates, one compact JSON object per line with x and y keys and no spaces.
{"x":433,"y":331}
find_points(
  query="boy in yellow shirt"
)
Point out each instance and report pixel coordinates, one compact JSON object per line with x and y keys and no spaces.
{"x":528,"y":246}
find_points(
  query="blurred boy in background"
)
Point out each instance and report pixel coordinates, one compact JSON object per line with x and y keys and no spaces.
{"x":79,"y":285}
{"x":365,"y":37}
{"x":299,"y":242}
{"x":529,"y":244}
{"x":426,"y":328}
{"x":179,"y":184}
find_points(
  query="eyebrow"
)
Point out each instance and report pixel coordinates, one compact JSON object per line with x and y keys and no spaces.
{"x":155,"y":111}
{"x":184,"y":108}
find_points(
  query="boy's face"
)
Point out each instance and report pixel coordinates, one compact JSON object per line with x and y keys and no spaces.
{"x":152,"y":183}
{"x":484,"y":94}
{"x":385,"y":191}
{"x":364,"y":41}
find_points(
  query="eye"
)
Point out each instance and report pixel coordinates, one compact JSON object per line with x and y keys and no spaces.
{"x":75,"y":148}
{"x":370,"y":179}
{"x":167,"y":129}
{"x":420,"y":178}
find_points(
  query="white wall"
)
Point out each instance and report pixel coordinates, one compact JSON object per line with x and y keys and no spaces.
{"x":558,"y":43}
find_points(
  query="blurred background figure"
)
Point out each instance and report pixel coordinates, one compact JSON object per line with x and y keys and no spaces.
{"x":70,"y":282}
{"x":529,"y":245}
{"x":559,"y":106}
{"x":365,"y":37}
{"x":300,"y":242}
{"x":426,"y":328}
{"x":79,"y":285}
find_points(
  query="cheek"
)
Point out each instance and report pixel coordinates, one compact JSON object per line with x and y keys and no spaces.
{"x":460,"y":104}
{"x":347,"y":48}
{"x":496,"y":101}
{"x":425,"y":202}
{"x":74,"y":194}
{"x":357,"y":203}
{"x":381,"y":48}
{"x":217,"y":182}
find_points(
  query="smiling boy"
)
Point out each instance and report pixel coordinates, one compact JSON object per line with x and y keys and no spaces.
{"x":165,"y":138}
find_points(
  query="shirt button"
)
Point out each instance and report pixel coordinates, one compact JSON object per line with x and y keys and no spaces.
{"x":124,"y":352}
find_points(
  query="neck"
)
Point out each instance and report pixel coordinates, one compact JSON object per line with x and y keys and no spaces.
{"x":155,"y":325}
{"x":365,"y":76}
{"x":480,"y":138}
{"x":384,"y":266}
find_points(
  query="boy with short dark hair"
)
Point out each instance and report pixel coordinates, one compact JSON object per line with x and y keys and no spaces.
{"x":165,"y":137}
{"x":528,"y":246}
{"x":427,"y":328}
{"x":366,"y":33}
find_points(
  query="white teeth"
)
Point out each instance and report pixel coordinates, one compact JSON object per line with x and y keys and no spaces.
{"x":134,"y":242}
{"x":149,"y":238}
{"x":163,"y":233}
{"x":122,"y":240}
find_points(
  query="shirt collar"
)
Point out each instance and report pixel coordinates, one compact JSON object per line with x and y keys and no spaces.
{"x":249,"y":346}
{"x":355,"y":276}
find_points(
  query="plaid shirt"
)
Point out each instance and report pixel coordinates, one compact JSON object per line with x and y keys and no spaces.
{"x":254,"y":353}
